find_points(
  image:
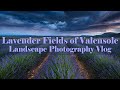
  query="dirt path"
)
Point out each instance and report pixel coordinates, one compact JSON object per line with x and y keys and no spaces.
{"x":33,"y":72}
{"x":82,"y":68}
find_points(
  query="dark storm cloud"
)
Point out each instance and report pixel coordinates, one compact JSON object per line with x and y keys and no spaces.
{"x":34,"y":17}
{"x":110,"y":20}
{"x":61,"y":21}
{"x":73,"y":19}
{"x":110,"y":16}
{"x":78,"y":20}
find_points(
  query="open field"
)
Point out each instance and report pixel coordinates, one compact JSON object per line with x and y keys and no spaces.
{"x":62,"y":65}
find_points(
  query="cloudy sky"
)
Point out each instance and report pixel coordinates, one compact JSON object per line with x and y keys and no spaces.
{"x":59,"y":23}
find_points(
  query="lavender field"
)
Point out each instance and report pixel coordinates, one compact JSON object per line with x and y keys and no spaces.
{"x":62,"y":65}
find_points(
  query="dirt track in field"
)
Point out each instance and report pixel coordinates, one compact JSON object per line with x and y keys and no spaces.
{"x":33,"y":72}
{"x":82,"y":70}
